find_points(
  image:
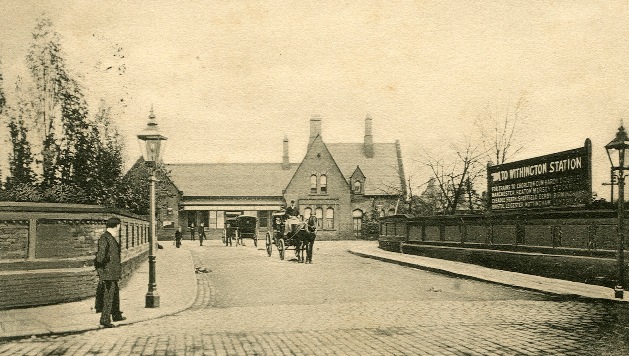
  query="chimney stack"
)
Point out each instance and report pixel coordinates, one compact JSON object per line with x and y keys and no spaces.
{"x":315,"y":127}
{"x":368,"y":145}
{"x":285,"y":163}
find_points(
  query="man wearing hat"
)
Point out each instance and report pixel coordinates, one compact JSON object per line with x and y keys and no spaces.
{"x":109,"y":271}
{"x":292,"y":218}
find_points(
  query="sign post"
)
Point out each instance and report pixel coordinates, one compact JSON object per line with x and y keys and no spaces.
{"x":558,"y":180}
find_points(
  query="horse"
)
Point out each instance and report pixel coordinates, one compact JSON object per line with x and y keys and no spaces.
{"x":304,"y":240}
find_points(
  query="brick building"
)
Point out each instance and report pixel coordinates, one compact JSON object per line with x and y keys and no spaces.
{"x":340,"y":183}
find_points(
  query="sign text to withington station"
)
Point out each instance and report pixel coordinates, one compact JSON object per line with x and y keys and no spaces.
{"x":557,"y":180}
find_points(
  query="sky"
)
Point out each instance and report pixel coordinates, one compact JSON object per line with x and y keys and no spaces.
{"x":229,"y":79}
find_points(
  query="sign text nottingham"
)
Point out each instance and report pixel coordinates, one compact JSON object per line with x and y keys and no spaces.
{"x":562,"y":179}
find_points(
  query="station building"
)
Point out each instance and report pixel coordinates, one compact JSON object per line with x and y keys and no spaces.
{"x":340,"y":183}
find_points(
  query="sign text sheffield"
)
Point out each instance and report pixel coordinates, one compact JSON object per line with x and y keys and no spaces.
{"x":557,"y":180}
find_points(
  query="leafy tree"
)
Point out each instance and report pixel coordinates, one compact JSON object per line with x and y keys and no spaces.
{"x":3,"y":103}
{"x":21,"y":157}
{"x":109,"y":161}
{"x":48,"y":70}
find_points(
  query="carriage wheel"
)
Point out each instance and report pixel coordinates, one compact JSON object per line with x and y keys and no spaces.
{"x":281,"y":248}
{"x":255,"y":240}
{"x":269,"y":244}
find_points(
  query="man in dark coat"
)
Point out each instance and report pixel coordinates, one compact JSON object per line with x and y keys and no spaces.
{"x":109,"y":269}
{"x":178,"y":237}
{"x":292,"y":210}
{"x":292,"y":218}
{"x":192,"y":228}
{"x":201,"y":234}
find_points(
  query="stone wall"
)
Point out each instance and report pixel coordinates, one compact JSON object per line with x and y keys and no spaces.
{"x":13,"y":240}
{"x":47,"y":250}
{"x":578,"y":245}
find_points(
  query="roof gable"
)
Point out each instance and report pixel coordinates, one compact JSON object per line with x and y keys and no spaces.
{"x":382,"y":171}
{"x":317,"y":148}
{"x":358,"y":174}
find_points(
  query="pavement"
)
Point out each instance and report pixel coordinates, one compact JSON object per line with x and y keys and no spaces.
{"x":176,"y":286}
{"x":513,"y":279}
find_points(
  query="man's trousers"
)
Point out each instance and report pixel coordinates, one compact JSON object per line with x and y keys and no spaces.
{"x":111,"y":301}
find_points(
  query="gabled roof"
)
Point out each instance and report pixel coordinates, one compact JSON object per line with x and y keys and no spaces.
{"x":231,"y":179}
{"x":357,"y":173}
{"x":382,"y":172}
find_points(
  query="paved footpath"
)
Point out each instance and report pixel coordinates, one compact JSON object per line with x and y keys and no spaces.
{"x":251,"y":304}
{"x":175,"y":278}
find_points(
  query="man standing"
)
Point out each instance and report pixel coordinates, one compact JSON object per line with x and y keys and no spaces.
{"x":178,"y":237}
{"x":109,"y":270}
{"x":201,"y":234}
{"x":192,"y":231}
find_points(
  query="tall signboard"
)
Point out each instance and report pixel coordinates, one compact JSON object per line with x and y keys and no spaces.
{"x":558,"y":180}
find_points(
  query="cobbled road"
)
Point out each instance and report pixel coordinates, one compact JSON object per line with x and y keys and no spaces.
{"x":252,"y":304}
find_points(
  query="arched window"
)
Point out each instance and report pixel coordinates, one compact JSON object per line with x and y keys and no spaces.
{"x":357,"y":218}
{"x":307,"y":213}
{"x":358,"y":187}
{"x":319,"y":215}
{"x":323,"y":183}
{"x":313,"y":184}
{"x":329,"y":219}
{"x":391,"y":212}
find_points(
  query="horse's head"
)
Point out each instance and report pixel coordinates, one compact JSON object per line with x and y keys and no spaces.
{"x":312,"y":223}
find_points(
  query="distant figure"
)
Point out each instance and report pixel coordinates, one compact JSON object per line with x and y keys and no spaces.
{"x":178,"y":237}
{"x":192,"y":231}
{"x":109,"y":269}
{"x":201,"y":234}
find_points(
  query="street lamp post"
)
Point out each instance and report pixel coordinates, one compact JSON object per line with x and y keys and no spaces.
{"x":616,"y":151}
{"x":152,"y":142}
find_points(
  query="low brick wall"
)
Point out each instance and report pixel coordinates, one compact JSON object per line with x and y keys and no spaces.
{"x":577,"y":245}
{"x":47,"y":251}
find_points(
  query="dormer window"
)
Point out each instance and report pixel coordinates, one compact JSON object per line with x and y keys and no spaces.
{"x":358,"y":187}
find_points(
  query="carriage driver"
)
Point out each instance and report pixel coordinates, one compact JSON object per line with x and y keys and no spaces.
{"x":292,"y":218}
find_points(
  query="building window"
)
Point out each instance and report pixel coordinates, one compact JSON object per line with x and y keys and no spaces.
{"x":319,"y":216}
{"x":329,"y":219}
{"x":205,"y":218}
{"x":307,"y":213}
{"x":313,"y":184}
{"x":126,"y":234}
{"x":263,"y":218}
{"x":357,"y":218}
{"x":358,"y":187}
{"x":192,"y":218}
{"x":391,"y":212}
{"x":323,"y":184}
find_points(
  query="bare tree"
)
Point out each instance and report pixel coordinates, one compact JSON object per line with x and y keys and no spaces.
{"x":500,"y":127}
{"x":454,"y":178}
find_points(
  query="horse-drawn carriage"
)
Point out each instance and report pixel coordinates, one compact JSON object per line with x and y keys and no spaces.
{"x":300,"y":238}
{"x":240,"y":227}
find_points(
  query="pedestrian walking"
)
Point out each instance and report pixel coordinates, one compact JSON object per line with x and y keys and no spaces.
{"x":178,"y":237}
{"x":201,"y":234}
{"x":109,"y":269}
{"x":192,"y":231}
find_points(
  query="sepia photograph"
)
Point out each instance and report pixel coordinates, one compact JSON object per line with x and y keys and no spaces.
{"x":237,"y":177}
